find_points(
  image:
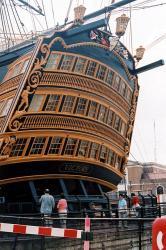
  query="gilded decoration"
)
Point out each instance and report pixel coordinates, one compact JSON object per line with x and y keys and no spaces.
{"x":36,"y":74}
{"x":60,"y":122}
{"x":131,"y":120}
{"x":6,"y":146}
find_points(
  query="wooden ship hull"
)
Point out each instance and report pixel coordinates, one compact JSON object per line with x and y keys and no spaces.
{"x":67,"y":109}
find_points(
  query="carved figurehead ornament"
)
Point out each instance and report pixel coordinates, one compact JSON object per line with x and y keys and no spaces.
{"x":6,"y":147}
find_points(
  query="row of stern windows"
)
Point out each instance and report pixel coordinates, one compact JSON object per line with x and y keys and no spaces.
{"x":80,"y":65}
{"x":67,"y":147}
{"x":78,"y":106}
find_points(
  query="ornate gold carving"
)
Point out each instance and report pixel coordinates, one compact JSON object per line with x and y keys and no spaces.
{"x":72,"y":123}
{"x":131,"y":119}
{"x":7,"y":147}
{"x":37,"y":71}
{"x":61,"y":79}
{"x":24,"y":99}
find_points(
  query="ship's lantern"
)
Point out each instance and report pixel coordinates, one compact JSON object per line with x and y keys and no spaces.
{"x":79,"y":12}
{"x":121,"y":25}
{"x":139,"y":53}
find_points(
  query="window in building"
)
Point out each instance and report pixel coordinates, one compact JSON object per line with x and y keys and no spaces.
{"x":103,"y":154}
{"x":80,"y":65}
{"x":67,"y":62}
{"x":37,"y":145}
{"x":52,"y":103}
{"x":116,"y":84}
{"x":92,"y":112}
{"x":110,"y":117}
{"x":101,"y":72}
{"x":111,"y":157}
{"x":94,"y":150}
{"x":6,"y":107}
{"x":91,"y":68}
{"x":18,"y":147}
{"x":68,"y":104}
{"x":122,"y":88}
{"x":123,"y":129}
{"x":36,"y":103}
{"x":83,"y":148}
{"x":24,"y":66}
{"x":109,"y":77}
{"x":102,"y":113}
{"x":16,"y":70}
{"x":81,"y":106}
{"x":70,"y":146}
{"x":56,"y":145}
{"x":53,"y":61}
{"x":118,"y":162}
{"x":117,"y":123}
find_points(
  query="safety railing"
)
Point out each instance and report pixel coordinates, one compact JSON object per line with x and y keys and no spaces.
{"x":108,"y":232}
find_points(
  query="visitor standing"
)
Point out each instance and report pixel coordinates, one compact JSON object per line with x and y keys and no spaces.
{"x":122,"y":211}
{"x":62,"y":210}
{"x":47,"y":204}
{"x":135,"y":204}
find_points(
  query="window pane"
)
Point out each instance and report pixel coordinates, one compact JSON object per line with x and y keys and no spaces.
{"x":128,"y":95}
{"x":123,"y":128}
{"x":55,"y":145}
{"x":18,"y":147}
{"x":110,"y":118}
{"x":91,"y":68}
{"x":117,"y":123}
{"x":110,"y":159}
{"x":83,"y":148}
{"x":101,"y":72}
{"x":16,"y":70}
{"x":103,"y":154}
{"x":68,"y":104}
{"x":53,"y":61}
{"x":67,"y":62}
{"x":122,"y":88}
{"x":92,"y":109}
{"x":1,"y":106}
{"x":36,"y":102}
{"x":70,"y":146}
{"x":6,"y":107}
{"x":109,"y":77}
{"x":25,"y":64}
{"x":38,"y":145}
{"x":118,"y":162}
{"x":94,"y":150}
{"x":116,"y":84}
{"x":52,"y":103}
{"x":81,"y":106}
{"x":102,"y":113}
{"x":79,"y":67}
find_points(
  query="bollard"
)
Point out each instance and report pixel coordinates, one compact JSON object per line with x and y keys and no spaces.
{"x":87,"y":229}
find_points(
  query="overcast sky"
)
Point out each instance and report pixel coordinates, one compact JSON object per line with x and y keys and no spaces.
{"x":147,"y":24}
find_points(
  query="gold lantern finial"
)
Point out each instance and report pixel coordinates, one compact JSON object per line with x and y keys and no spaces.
{"x":121,"y":25}
{"x":79,"y":12}
{"x":139,"y":53}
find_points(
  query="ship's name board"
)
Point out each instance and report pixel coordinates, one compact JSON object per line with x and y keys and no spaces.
{"x":74,"y":169}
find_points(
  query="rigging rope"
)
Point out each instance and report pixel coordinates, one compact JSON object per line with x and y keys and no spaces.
{"x":52,"y":11}
{"x":45,"y":14}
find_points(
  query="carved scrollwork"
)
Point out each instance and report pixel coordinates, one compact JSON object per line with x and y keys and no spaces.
{"x":132,"y":112}
{"x":34,"y":79}
{"x":16,"y":122}
{"x":7,"y":146}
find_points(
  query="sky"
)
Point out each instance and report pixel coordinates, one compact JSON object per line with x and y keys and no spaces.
{"x":146,"y":26}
